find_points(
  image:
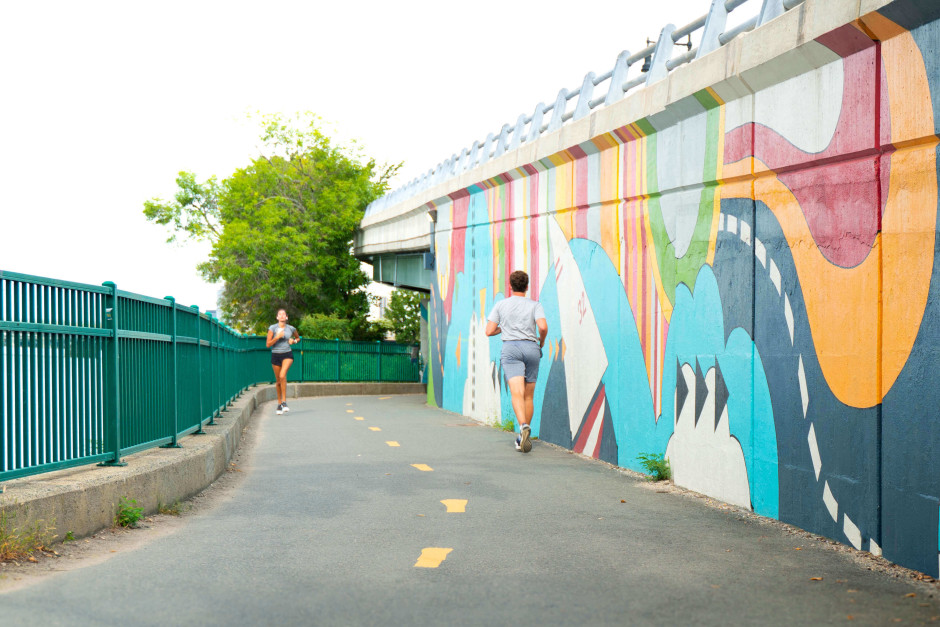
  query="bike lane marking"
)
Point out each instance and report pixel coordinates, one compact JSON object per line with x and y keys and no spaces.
{"x":432,"y":557}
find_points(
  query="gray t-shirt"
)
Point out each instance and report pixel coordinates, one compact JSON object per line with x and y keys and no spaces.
{"x":516,"y":317}
{"x":282,"y":346}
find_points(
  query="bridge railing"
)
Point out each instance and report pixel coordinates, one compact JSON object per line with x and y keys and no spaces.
{"x":89,"y":374}
{"x":577,"y":103}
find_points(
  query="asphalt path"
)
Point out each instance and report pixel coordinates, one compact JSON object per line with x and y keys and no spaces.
{"x":348,"y":513}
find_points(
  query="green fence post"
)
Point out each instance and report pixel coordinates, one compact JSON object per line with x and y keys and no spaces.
{"x":174,"y":376}
{"x":225,"y":374}
{"x":202,"y":411}
{"x":214,"y":353}
{"x":337,"y":360}
{"x":378,"y":345}
{"x":111,"y":315}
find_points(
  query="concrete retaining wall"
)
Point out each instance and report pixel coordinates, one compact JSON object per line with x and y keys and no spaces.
{"x":740,"y":269}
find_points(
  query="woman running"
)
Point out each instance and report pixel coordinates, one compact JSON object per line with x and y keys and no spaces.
{"x":280,"y":338}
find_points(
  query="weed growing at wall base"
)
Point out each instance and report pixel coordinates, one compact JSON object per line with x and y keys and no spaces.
{"x":128,"y":514}
{"x":656,"y":466}
{"x":176,"y":509}
{"x":17,"y":543}
{"x":506,"y":425}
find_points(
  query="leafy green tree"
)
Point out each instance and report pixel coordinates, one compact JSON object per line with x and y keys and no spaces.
{"x":195,"y":211}
{"x":322,"y":327}
{"x":404,"y":315}
{"x":281,"y":228}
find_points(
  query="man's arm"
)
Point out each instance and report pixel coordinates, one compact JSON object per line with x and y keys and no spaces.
{"x":492,"y":328}
{"x":542,"y":324}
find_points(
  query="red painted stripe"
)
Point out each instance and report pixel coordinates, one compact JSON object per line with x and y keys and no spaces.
{"x":510,"y":240}
{"x":644,"y":336}
{"x":457,"y":246}
{"x":534,"y":273}
{"x":587,"y":425}
{"x":580,"y":167}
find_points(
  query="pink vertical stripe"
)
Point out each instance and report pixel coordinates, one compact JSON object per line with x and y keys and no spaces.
{"x":534,"y":257}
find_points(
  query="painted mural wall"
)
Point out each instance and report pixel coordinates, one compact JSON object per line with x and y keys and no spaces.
{"x":749,"y":286}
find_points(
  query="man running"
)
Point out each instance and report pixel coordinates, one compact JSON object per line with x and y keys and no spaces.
{"x":523,"y":326}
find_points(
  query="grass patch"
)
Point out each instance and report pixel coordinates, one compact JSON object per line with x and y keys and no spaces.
{"x":506,"y":425}
{"x":128,"y":514}
{"x":175,"y":509}
{"x":656,"y":466}
{"x":21,"y":542}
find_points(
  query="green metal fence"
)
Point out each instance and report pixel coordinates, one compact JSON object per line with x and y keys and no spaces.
{"x":92,"y":373}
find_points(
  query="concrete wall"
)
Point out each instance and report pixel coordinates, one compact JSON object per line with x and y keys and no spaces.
{"x":739,"y":269}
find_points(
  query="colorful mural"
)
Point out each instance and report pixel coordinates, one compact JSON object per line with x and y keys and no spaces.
{"x":747,"y":283}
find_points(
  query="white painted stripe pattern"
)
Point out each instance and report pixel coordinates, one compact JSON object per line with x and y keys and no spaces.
{"x":775,"y":276}
{"x":745,"y":232}
{"x":804,"y":392}
{"x":851,"y":531}
{"x":761,"y":252}
{"x":830,"y":502}
{"x":814,"y":450}
{"x":731,"y":224}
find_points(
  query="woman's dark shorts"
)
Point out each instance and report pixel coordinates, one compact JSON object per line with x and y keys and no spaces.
{"x":520,"y":358}
{"x":278,"y":358}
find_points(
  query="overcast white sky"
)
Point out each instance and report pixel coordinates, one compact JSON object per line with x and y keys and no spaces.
{"x":104,"y":102}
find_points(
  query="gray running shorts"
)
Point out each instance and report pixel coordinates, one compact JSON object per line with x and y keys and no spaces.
{"x":520,"y":358}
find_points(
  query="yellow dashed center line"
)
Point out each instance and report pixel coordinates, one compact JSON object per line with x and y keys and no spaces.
{"x":374,"y":429}
{"x":423,"y":467}
{"x":432,"y":557}
{"x":384,"y":398}
{"x":359,"y":418}
{"x":349,"y":411}
{"x":393,"y":443}
{"x":455,"y":506}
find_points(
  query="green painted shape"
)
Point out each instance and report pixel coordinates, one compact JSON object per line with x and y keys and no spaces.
{"x":672,"y":270}
{"x":432,"y":401}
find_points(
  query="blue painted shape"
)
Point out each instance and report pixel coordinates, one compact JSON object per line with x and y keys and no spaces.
{"x":477,"y":275}
{"x":548,"y":297}
{"x":696,"y":334}
{"x":625,"y":380}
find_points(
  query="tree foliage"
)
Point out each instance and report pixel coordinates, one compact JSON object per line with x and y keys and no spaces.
{"x":195,"y":210}
{"x":281,"y":228}
{"x":322,"y":327}
{"x":404,"y":315}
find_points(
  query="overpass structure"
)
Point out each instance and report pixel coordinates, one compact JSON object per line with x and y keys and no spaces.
{"x":737,"y":253}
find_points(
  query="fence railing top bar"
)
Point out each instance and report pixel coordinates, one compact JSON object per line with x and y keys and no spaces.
{"x":513,"y":136}
{"x":6,"y":275}
{"x":143,"y":299}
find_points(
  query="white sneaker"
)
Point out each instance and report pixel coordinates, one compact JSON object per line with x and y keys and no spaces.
{"x":518,"y":447}
{"x":285,"y":408}
{"x":279,"y":409}
{"x":525,"y":444}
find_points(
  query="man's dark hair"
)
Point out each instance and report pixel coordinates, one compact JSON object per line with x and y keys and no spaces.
{"x":519,"y":281}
